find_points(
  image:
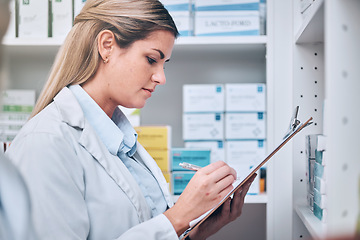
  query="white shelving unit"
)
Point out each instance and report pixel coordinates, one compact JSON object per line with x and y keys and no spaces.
{"x":325,"y":76}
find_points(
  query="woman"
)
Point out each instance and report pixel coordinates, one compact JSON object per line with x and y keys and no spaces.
{"x":88,"y":176}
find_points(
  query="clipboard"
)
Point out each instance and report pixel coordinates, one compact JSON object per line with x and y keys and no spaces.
{"x":295,"y":128}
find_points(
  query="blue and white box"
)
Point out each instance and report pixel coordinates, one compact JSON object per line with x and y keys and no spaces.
{"x":227,"y":5}
{"x":199,"y":157}
{"x":184,"y":23}
{"x":244,"y":155}
{"x":245,"y":126}
{"x":245,"y":97}
{"x":227,"y":17}
{"x":178,"y":5}
{"x":203,"y":126}
{"x":203,"y":98}
{"x":62,"y":18}
{"x":33,"y":19}
{"x":249,"y":152}
{"x":227,"y":23}
{"x":179,"y":181}
{"x":182,"y":14}
{"x":217,"y":148}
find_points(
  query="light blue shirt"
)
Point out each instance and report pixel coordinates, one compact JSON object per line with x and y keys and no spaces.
{"x":120,"y":139}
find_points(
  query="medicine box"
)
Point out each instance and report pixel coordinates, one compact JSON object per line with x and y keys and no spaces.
{"x":203,"y":98}
{"x":162,"y":158}
{"x":178,"y":5}
{"x":227,"y":23}
{"x":78,"y":5}
{"x":203,"y":126}
{"x":154,"y":137}
{"x":15,"y":111}
{"x":62,"y":18}
{"x":216,"y":147}
{"x":226,"y":5}
{"x":250,"y":152}
{"x":245,"y":126}
{"x":33,"y":19}
{"x":184,"y":22}
{"x":245,"y":98}
{"x":180,"y":180}
{"x":319,"y":185}
{"x":196,"y":156}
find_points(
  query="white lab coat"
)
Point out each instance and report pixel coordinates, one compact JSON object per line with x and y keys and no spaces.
{"x":78,"y":189}
{"x":15,"y":220}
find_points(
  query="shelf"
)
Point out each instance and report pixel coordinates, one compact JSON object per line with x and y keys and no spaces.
{"x":312,"y":27}
{"x":261,"y":198}
{"x":222,"y":44}
{"x":315,"y":227}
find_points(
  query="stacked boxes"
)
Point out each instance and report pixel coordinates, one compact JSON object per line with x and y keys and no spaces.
{"x":181,"y":176}
{"x":16,"y":110}
{"x":316,"y":173}
{"x":41,"y":19}
{"x":227,"y":17}
{"x":157,"y":142}
{"x":245,"y":127}
{"x":62,"y":18}
{"x":181,"y":12}
{"x":230,"y":120}
{"x":34,"y":19}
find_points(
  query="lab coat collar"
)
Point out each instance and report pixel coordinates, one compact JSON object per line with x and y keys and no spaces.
{"x":72,"y":114}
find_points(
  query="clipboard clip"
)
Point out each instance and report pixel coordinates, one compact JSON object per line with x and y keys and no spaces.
{"x":295,"y":123}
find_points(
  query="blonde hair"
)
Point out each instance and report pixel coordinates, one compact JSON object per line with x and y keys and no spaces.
{"x":78,"y":58}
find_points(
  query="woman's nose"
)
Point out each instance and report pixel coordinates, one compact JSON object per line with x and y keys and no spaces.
{"x":159,"y":77}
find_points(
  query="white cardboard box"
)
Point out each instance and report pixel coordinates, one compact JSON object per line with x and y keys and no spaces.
{"x":216,"y":147}
{"x":249,"y":152}
{"x":62,"y":18}
{"x":203,"y":126}
{"x":227,"y":23}
{"x":245,"y":126}
{"x":226,"y":5}
{"x":245,"y":97}
{"x":33,"y":19}
{"x":184,"y":22}
{"x":177,"y":5}
{"x":199,"y":98}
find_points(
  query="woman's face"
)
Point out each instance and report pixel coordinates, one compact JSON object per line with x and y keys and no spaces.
{"x":132,"y":74}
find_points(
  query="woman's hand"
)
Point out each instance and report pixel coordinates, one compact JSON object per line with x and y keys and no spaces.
{"x":228,"y":212}
{"x":207,"y":188}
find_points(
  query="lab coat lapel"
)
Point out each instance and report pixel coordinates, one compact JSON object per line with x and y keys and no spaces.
{"x":116,"y":169}
{"x":72,"y":114}
{"x":154,"y":168}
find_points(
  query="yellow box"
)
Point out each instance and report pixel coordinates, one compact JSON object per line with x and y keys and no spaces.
{"x":154,"y":137}
{"x":167,"y":176}
{"x":162,"y":158}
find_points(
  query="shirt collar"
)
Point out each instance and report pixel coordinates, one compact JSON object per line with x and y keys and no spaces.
{"x":116,"y":133}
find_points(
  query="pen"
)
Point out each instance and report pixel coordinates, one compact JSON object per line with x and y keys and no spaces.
{"x":193,"y":167}
{"x":189,"y":166}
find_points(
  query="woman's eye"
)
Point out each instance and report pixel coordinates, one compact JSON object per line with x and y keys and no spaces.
{"x":151,"y":60}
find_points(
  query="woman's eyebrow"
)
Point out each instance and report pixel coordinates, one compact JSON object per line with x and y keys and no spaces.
{"x":162,"y":55}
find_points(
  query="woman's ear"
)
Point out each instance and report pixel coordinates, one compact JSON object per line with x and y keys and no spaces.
{"x":106,"y":41}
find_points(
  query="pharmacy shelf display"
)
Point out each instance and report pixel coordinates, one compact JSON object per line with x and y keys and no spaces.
{"x":325,"y":86}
